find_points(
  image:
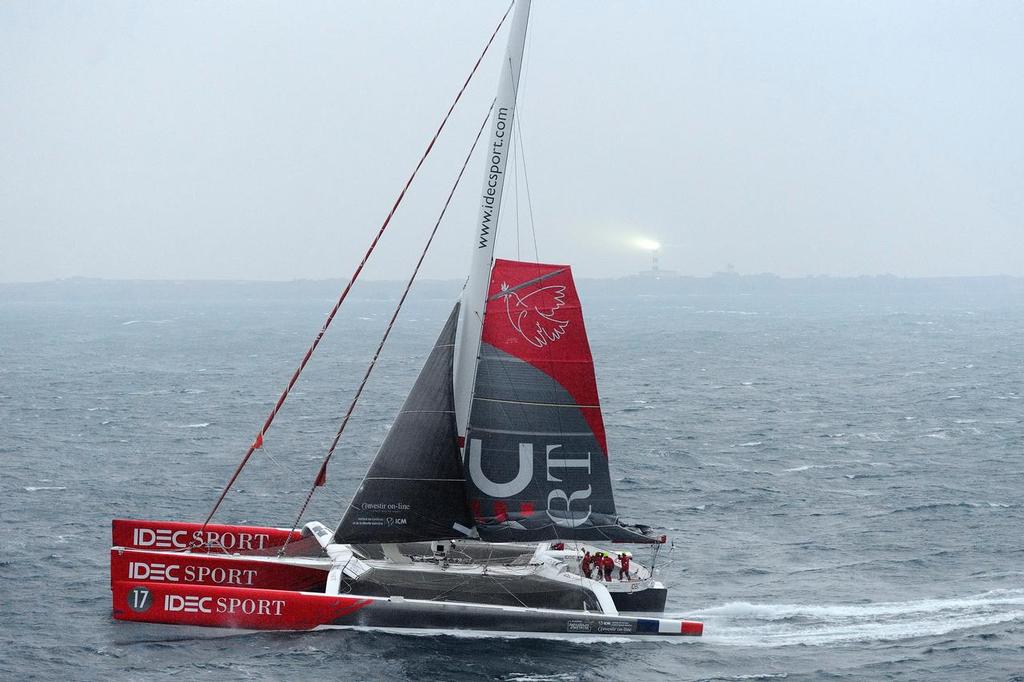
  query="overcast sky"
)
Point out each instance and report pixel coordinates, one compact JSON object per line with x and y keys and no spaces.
{"x":267,"y":140}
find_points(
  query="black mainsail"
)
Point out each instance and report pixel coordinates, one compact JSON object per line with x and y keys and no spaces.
{"x":414,"y":489}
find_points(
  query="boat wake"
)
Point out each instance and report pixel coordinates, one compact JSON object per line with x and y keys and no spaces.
{"x":778,"y":625}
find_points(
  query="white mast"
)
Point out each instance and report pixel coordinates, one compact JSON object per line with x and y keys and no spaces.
{"x":467,"y":342}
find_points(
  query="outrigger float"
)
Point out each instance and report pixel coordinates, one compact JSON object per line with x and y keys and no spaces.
{"x":491,"y":485}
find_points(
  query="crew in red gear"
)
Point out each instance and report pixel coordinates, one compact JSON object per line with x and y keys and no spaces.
{"x":608,"y":563}
{"x":623,"y":566}
{"x":587,"y":564}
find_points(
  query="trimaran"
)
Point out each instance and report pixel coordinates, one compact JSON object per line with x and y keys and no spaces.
{"x":489,"y":487}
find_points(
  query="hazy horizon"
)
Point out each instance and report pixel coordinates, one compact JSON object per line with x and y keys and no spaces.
{"x":169,"y":142}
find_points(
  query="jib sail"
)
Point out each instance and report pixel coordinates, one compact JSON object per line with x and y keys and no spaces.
{"x":535,"y":455}
{"x":414,"y":489}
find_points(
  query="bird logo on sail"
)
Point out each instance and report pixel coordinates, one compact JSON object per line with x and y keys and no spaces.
{"x":534,"y":315}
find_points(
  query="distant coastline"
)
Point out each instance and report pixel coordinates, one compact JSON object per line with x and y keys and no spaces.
{"x":83,"y":288}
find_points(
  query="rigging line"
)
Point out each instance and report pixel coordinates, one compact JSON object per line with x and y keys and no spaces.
{"x":515,"y":191}
{"x":279,"y":464}
{"x":521,"y":143}
{"x":440,"y":596}
{"x":355,"y":275}
{"x":321,"y":474}
{"x":499,"y":584}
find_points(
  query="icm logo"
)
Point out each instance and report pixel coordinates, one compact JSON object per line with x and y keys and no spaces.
{"x":191,"y":604}
{"x":138,"y":570}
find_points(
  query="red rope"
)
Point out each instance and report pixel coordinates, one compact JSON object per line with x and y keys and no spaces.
{"x":258,"y":442}
{"x":321,"y":476}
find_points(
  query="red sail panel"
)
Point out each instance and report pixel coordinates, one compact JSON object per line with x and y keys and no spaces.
{"x":534,"y":314}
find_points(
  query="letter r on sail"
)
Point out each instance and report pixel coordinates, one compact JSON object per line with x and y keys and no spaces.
{"x":489,"y":487}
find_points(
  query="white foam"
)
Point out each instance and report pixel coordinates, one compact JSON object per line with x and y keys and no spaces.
{"x":199,"y":425}
{"x":807,"y":467}
{"x":776,"y":625}
{"x":35,"y":488}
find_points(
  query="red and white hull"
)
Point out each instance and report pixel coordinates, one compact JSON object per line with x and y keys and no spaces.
{"x":261,"y":609}
{"x":251,"y":592}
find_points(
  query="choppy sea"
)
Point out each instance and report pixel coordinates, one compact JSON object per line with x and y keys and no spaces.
{"x":842,"y":473}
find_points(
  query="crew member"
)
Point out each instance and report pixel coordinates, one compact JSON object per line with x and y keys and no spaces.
{"x":608,"y":563}
{"x":587,"y":564}
{"x":623,"y":566}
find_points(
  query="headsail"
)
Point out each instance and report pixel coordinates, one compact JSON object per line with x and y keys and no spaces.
{"x":536,"y":456}
{"x":414,"y":489}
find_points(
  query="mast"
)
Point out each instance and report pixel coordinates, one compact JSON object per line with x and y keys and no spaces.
{"x":467,"y":342}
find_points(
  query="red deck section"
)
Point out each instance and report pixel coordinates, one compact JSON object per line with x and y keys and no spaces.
{"x":228,"y":607}
{"x":176,"y":535}
{"x":184,"y":568}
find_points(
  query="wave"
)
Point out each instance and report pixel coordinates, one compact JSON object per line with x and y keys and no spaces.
{"x":726,"y":312}
{"x":36,"y":488}
{"x":198,"y":425}
{"x":959,"y":504}
{"x":807,"y":467}
{"x":777,"y":625}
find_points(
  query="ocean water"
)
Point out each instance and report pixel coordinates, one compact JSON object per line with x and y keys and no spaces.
{"x":842,"y":472}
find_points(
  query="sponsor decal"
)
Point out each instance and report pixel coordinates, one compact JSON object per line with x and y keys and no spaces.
{"x":176,"y":603}
{"x":616,"y":626}
{"x":321,"y":532}
{"x":384,"y":506}
{"x":532,"y":312}
{"x":188,"y":604}
{"x":578,"y":626}
{"x":166,"y":538}
{"x":392,"y":508}
{"x":176,"y":573}
{"x":492,"y":193}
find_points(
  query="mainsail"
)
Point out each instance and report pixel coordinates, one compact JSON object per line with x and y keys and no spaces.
{"x":536,"y":455}
{"x":414,"y":489}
